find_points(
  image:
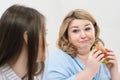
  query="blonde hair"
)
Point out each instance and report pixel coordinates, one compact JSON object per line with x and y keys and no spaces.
{"x":63,"y":42}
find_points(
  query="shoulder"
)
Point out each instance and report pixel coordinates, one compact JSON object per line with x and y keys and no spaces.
{"x":7,"y":73}
{"x":58,"y":54}
{"x":58,"y":57}
{"x":2,"y":77}
{"x":59,"y":65}
{"x":38,"y":77}
{"x":2,"y":72}
{"x":2,"y":68}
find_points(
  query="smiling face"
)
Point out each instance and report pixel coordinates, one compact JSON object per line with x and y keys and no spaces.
{"x":81,"y":34}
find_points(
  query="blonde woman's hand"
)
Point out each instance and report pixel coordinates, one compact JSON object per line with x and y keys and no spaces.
{"x":94,"y":61}
{"x":112,"y":64}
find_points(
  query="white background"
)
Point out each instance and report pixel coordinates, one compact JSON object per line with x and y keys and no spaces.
{"x":106,"y":12}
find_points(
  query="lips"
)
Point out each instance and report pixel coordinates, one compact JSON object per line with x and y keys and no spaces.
{"x":84,"y":41}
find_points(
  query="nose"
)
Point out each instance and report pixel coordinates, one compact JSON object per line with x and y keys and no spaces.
{"x":82,"y":34}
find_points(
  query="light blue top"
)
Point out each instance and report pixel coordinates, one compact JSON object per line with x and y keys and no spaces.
{"x":61,"y":66}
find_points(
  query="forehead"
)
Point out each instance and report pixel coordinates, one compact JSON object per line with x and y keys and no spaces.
{"x":79,"y":22}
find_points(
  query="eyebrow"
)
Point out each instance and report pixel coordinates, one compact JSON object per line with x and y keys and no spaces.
{"x":74,"y":27}
{"x":78,"y":26}
{"x":84,"y":25}
{"x":87,"y":24}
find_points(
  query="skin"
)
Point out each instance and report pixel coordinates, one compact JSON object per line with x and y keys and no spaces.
{"x":18,"y":67}
{"x":81,"y":34}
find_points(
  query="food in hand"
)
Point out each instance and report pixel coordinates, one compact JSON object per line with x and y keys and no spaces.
{"x":100,"y":46}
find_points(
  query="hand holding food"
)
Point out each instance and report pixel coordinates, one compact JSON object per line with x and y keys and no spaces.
{"x":100,"y":46}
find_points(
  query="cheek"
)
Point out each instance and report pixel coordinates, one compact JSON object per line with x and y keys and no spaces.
{"x":40,"y":50}
{"x":39,"y":54}
{"x":92,"y":35}
{"x":71,"y":37}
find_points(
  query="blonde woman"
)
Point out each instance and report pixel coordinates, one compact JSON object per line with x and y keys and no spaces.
{"x":75,"y":59}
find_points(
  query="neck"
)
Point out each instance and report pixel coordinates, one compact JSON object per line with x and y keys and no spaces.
{"x":83,"y":56}
{"x":20,"y":67}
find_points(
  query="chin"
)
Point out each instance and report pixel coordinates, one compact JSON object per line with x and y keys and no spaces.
{"x":85,"y":47}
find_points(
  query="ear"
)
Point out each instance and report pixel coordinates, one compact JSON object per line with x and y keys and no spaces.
{"x":25,"y":36}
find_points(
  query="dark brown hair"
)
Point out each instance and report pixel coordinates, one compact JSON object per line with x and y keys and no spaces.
{"x":13,"y":23}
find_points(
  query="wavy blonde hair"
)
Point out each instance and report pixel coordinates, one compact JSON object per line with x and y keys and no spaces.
{"x":63,"y":42}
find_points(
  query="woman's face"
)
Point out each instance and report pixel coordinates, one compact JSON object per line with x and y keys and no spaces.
{"x":40,"y":48}
{"x":81,"y":34}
